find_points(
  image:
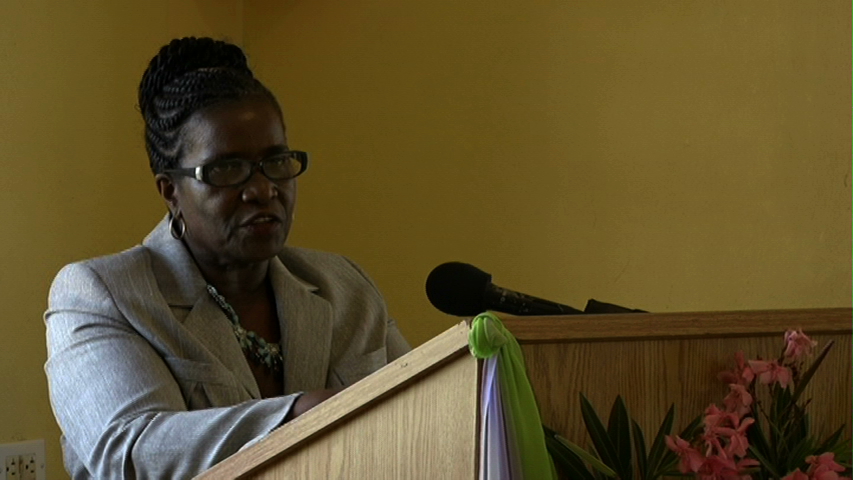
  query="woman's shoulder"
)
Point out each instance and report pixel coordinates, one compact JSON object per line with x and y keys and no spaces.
{"x":125,"y":260}
{"x":124,"y":264}
{"x":90,"y":277}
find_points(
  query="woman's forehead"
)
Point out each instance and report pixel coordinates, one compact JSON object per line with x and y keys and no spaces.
{"x":248,"y":127}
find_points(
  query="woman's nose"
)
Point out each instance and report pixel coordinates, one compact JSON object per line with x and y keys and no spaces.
{"x":259,"y":188}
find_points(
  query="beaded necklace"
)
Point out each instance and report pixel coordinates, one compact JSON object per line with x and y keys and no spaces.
{"x":266,"y":353}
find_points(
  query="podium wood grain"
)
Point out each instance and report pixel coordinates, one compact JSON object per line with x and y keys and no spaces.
{"x":655,"y":360}
{"x":415,"y":419}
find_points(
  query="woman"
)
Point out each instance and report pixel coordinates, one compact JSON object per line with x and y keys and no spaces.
{"x":169,"y":357}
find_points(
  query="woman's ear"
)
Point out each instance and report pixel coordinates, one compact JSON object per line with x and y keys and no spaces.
{"x":166,"y":188}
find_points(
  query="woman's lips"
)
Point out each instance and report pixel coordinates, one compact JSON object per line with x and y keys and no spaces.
{"x":262,"y":218}
{"x":263,"y":225}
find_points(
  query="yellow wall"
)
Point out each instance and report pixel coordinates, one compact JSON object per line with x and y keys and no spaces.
{"x":75,"y":181}
{"x":671,"y":156}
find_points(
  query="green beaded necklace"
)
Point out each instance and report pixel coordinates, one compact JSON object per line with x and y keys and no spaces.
{"x":266,"y":353}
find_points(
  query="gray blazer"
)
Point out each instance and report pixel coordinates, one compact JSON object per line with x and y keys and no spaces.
{"x":147,"y":379}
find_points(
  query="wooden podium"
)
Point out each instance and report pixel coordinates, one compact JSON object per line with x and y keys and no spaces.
{"x":417,"y":418}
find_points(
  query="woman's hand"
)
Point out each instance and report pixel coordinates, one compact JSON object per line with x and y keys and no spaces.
{"x":309,"y":400}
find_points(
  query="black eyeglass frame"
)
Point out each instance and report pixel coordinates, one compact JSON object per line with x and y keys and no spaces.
{"x":201,"y":174}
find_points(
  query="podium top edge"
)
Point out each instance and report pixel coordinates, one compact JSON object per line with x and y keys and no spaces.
{"x":571,"y":328}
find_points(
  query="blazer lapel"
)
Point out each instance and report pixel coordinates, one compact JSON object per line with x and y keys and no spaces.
{"x":209,"y":324}
{"x":306,"y":326}
{"x":183,"y":286}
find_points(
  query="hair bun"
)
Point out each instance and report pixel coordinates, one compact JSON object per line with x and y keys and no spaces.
{"x":186,"y":76}
{"x":185,"y":55}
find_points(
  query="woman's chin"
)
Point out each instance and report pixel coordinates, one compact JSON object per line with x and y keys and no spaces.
{"x":261,"y":253}
{"x":263,"y":241}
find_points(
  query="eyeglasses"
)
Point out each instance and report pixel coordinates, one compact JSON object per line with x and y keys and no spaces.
{"x":230,"y":172}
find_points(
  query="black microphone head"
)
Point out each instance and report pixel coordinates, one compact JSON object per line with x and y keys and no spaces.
{"x":458,"y":289}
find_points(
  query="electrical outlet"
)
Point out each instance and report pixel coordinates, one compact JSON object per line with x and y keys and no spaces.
{"x":27,"y":466}
{"x":23,"y":461}
{"x":12,"y":471}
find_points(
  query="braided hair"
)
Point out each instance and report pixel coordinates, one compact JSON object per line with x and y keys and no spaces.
{"x":186,"y":76}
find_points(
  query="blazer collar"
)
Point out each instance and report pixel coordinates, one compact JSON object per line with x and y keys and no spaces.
{"x":305,"y":318}
{"x":177,"y":274}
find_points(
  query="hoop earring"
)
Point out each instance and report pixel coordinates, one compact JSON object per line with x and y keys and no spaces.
{"x":177,"y":226}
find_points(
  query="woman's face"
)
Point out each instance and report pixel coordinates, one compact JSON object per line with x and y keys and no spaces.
{"x":232,"y":226}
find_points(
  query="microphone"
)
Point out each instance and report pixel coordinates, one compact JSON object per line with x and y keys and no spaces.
{"x":464,"y":290}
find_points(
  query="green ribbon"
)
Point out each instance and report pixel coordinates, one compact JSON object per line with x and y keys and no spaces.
{"x":489,"y":337}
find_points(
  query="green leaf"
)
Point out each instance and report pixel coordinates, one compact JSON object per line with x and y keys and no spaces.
{"x":640,"y":450}
{"x":572,"y":469}
{"x":791,"y":421}
{"x":659,"y":443}
{"x":796,"y":457}
{"x":589,"y":458}
{"x":619,"y":432}
{"x":764,"y":462}
{"x":782,"y":399}
{"x":598,"y":435}
{"x":804,"y":380}
{"x":790,"y":431}
{"x":565,"y":459}
{"x":692,"y":428}
{"x":801,"y":426}
{"x":843,"y":453}
{"x":831,"y":441}
{"x":758,"y":441}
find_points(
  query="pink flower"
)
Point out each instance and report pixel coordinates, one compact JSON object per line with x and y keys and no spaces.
{"x":738,"y":400}
{"x":821,"y":473}
{"x":796,"y":475}
{"x":718,"y":467}
{"x":713,"y":445}
{"x":714,"y":417}
{"x":691,"y":459}
{"x":798,"y":344}
{"x":742,"y":374}
{"x":823,"y":467}
{"x":825,"y":459}
{"x":738,"y":442}
{"x":771,"y":372}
